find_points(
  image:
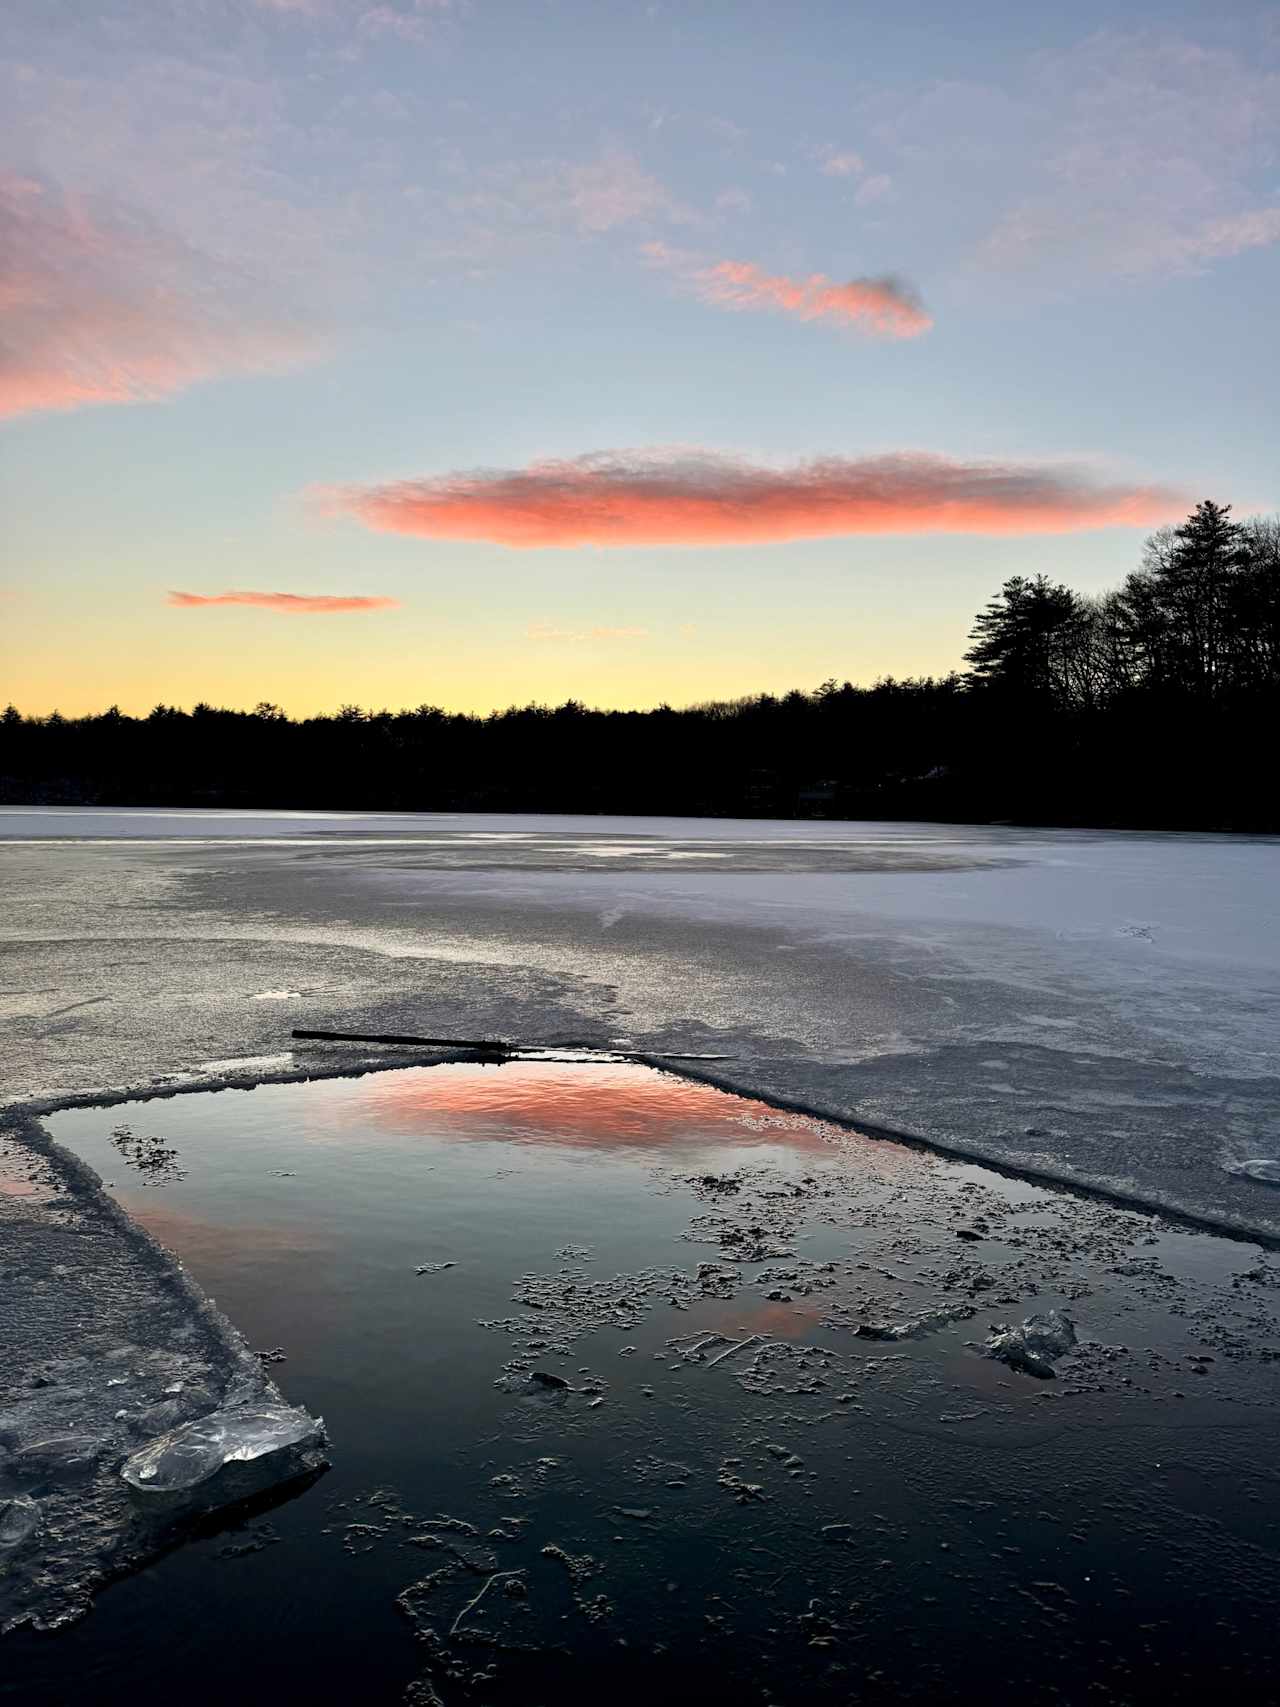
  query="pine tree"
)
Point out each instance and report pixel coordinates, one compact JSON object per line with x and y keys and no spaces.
{"x":1021,"y":642}
{"x":1179,"y":604}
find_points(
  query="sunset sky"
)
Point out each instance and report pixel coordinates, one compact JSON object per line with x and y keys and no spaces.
{"x":480,"y":351}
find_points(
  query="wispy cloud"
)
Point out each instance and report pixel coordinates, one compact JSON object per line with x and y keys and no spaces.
{"x":518,"y":206}
{"x":612,"y":191}
{"x":848,"y":164}
{"x":287,"y":604}
{"x":1219,"y":239}
{"x":99,"y":306}
{"x":405,"y":20}
{"x":842,"y":163}
{"x":1147,"y":152}
{"x":884,"y":307}
{"x":548,"y":631}
{"x":875,"y":187}
{"x":734,"y":200}
{"x":411,"y":23}
{"x":699,"y":498}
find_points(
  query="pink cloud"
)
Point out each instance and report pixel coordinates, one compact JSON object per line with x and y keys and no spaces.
{"x":288,"y":604}
{"x":698,"y":498}
{"x":883,"y":307}
{"x":97,"y":306}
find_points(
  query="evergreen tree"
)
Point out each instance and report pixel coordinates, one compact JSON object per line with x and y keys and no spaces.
{"x":1179,"y":604}
{"x":1022,"y":643}
{"x":1254,"y":612}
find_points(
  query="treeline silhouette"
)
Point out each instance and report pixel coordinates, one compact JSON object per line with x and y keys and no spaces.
{"x":1154,"y":705}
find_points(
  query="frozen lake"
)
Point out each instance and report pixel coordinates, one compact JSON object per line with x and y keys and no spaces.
{"x":1096,"y":1007}
{"x":806,"y":1437}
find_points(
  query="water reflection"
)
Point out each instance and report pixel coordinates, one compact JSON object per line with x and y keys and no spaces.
{"x":477,"y":1276}
{"x":608,"y":1108}
{"x":208,"y":1242}
{"x":798,"y":1320}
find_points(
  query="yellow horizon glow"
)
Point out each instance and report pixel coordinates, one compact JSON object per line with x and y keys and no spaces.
{"x":631,"y":675}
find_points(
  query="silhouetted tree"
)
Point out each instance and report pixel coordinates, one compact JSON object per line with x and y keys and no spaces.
{"x":1178,"y":604}
{"x":1140,"y":706}
{"x":1023,"y":641}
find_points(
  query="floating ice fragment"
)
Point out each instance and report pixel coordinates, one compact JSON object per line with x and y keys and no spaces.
{"x":1034,"y":1344}
{"x":1264,"y":1168}
{"x":19,"y":1520}
{"x":188,"y":1456}
{"x":927,"y":1322}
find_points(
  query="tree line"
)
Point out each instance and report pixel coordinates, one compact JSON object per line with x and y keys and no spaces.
{"x":1151,"y":706}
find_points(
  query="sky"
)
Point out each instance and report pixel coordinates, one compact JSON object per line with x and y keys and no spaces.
{"x":474,"y":352}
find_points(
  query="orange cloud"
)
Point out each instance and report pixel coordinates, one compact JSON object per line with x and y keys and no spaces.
{"x":290,"y":604}
{"x":884,"y":307}
{"x":97,"y":306}
{"x":697,"y":498}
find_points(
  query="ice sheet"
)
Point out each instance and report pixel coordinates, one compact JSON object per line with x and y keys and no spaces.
{"x":1093,"y":1006}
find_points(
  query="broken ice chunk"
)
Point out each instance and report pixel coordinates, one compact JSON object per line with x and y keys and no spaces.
{"x":1034,"y":1344}
{"x":19,"y":1520}
{"x":189,"y":1456}
{"x":1264,"y":1168}
{"x":63,"y":1457}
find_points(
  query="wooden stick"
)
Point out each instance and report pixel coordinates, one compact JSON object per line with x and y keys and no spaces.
{"x":493,"y":1045}
{"x":490,"y":1045}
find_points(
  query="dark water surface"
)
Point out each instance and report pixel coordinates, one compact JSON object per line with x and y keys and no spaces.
{"x":664,"y":1522}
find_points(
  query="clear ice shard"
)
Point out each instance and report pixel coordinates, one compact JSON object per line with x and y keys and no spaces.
{"x":1033,"y":1345}
{"x":192,"y":1455}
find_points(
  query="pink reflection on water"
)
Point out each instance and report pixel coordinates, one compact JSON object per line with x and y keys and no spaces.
{"x":204,"y":1242}
{"x":772,"y":1319}
{"x":616,"y":1107}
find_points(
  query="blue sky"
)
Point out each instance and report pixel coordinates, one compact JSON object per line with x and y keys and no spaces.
{"x":426,"y":302}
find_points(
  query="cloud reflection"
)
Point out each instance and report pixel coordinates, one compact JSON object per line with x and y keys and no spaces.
{"x":595,"y":1108}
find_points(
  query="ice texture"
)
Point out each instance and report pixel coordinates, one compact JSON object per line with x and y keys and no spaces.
{"x":19,"y":1520}
{"x":1034,"y":1344}
{"x":190,"y":1456}
{"x":1263,"y":1168}
{"x":105,"y":1345}
{"x":1090,"y":1006}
